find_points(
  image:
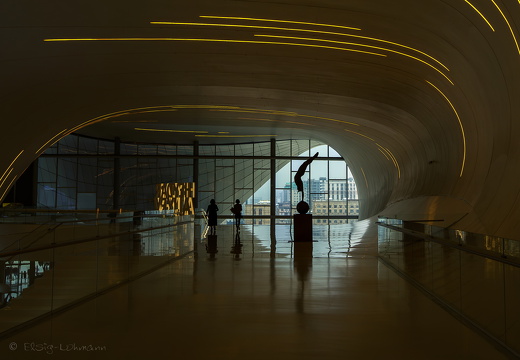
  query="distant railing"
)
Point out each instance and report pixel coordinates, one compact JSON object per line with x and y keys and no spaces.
{"x":473,"y":276}
{"x":65,"y":258}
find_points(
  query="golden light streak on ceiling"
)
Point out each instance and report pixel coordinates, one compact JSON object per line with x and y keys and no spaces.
{"x":10,"y":165}
{"x":174,"y":131}
{"x":8,"y":187}
{"x":366,"y":181}
{"x":280,"y":21}
{"x":286,"y":113}
{"x":509,"y":25}
{"x":7,"y":177}
{"x":369,"y":138}
{"x":382,"y":148}
{"x":148,"y":109}
{"x":386,"y":156}
{"x":235,"y":136}
{"x":393,"y":158}
{"x":52,"y":141}
{"x":357,"y":44}
{"x":329,"y":119}
{"x":218,"y":40}
{"x":134,"y":121}
{"x":223,"y":132}
{"x":482,"y":15}
{"x":304,"y":30}
{"x":460,"y":124}
{"x":279,"y":121}
{"x":260,"y":111}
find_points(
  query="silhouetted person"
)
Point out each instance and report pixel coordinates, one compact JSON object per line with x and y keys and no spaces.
{"x":301,"y":171}
{"x":211,"y":212}
{"x":237,"y":211}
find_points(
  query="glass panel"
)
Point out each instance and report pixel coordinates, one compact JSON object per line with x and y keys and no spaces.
{"x":147,"y":150}
{"x":262,"y":149}
{"x":283,"y":173}
{"x":47,"y":169}
{"x":338,"y":170}
{"x":128,"y":149}
{"x":207,"y":150}
{"x":225,"y":150}
{"x":106,"y":147}
{"x":184,"y":150}
{"x":87,"y":145}
{"x":283,"y":148}
{"x":46,"y":195}
{"x":244,"y":150}
{"x":66,"y":198}
{"x":67,"y":169}
{"x":68,"y":145}
{"x":166,"y":149}
{"x":300,"y":148}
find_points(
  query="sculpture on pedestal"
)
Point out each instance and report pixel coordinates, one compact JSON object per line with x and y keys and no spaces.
{"x":302,"y":206}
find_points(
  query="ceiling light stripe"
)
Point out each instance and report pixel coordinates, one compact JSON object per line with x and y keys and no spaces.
{"x":279,"y":121}
{"x":509,"y":25}
{"x":10,"y":165}
{"x":8,"y":187}
{"x":394,"y":160}
{"x":300,"y":30}
{"x":219,"y":40}
{"x":357,"y":44}
{"x":279,"y":21}
{"x":460,"y":124}
{"x":366,"y":182}
{"x":482,"y":15}
{"x":174,"y":131}
{"x":52,"y":141}
{"x":234,"y":136}
{"x":7,"y":177}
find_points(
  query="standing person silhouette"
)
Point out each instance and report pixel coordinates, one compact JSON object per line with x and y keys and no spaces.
{"x":237,"y":211}
{"x":211,"y":212}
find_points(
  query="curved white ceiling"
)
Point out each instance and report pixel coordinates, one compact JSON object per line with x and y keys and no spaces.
{"x":421,"y":100}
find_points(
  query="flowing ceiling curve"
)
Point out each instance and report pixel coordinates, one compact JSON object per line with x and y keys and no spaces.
{"x":419,"y":97}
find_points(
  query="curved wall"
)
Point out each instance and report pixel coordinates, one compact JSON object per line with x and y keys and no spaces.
{"x":425,"y":138}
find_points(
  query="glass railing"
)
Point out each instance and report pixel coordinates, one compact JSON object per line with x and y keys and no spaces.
{"x":56,"y":263}
{"x":474,"y":276}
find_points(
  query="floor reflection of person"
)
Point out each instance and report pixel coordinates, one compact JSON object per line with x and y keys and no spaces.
{"x":212,"y":216}
{"x":237,"y":211}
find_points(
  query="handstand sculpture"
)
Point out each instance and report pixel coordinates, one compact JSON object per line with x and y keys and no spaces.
{"x":301,"y":171}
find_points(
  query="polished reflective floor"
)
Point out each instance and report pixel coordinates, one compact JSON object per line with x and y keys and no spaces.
{"x":257,"y":297}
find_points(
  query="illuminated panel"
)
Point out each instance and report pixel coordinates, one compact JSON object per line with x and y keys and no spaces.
{"x":175,"y":196}
{"x":460,"y":124}
{"x":482,"y":15}
{"x":508,"y":24}
{"x":220,"y":40}
{"x":357,"y":44}
{"x":280,"y":21}
{"x":303,"y":30}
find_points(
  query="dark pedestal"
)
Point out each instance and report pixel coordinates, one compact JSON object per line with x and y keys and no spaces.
{"x":302,"y":227}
